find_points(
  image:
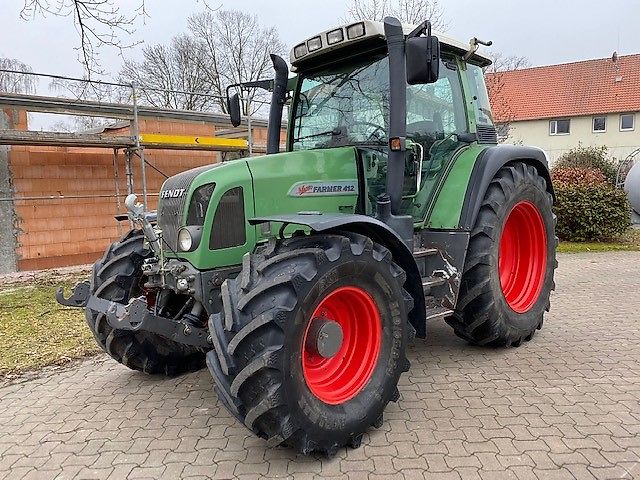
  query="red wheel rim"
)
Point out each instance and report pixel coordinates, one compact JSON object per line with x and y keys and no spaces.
{"x":338,"y":379}
{"x":522,"y":261}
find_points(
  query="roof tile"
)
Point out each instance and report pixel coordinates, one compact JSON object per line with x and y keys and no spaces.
{"x":571,"y":89}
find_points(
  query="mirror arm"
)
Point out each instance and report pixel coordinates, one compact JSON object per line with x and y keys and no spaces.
{"x":424,"y":27}
{"x":264,"y":84}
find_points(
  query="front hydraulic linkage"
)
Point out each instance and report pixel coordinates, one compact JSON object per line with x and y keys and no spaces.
{"x":135,"y":316}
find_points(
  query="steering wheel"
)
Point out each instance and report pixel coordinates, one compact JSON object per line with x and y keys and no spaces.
{"x":376,"y":128}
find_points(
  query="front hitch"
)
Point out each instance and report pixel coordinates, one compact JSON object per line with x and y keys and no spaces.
{"x":135,"y":316}
{"x":79,"y":295}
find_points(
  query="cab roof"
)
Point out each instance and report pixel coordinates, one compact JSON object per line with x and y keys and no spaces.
{"x":372,"y":30}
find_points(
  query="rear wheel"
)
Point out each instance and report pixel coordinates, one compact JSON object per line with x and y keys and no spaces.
{"x":311,"y":341}
{"x":508,"y":272}
{"x":118,"y":277}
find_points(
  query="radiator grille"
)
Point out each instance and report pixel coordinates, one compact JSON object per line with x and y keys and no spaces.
{"x":229,"y":223}
{"x":170,"y":209}
{"x":486,"y":134}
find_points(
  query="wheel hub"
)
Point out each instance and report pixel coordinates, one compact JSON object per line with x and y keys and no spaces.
{"x":324,"y":337}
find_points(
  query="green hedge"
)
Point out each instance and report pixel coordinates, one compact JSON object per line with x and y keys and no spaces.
{"x":588,"y":206}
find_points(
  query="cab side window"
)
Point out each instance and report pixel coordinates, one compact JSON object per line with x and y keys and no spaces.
{"x":434,"y":110}
{"x":481,"y":104}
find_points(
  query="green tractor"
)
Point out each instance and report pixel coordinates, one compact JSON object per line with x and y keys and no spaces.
{"x":298,"y":277}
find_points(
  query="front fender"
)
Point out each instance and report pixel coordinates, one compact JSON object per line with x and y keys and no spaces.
{"x":380,"y":233}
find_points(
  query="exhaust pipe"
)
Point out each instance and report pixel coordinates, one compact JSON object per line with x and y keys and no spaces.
{"x":278,"y":98}
{"x":397,"y":111}
{"x":388,"y":204}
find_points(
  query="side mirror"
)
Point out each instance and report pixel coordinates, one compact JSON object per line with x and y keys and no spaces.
{"x":233,"y":107}
{"x":423,"y":59}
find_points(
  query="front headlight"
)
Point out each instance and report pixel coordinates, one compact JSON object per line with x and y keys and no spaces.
{"x":189,"y":238}
{"x":185,"y":241}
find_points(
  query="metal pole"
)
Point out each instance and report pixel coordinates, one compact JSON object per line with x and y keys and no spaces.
{"x":129,"y":173}
{"x":249,"y":133}
{"x":60,"y":197}
{"x":117,"y":185}
{"x":140,"y":150}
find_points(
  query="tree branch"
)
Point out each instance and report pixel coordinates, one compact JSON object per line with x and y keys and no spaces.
{"x":99,"y":23}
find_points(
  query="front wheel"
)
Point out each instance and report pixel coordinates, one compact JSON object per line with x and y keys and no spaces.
{"x":310,"y":344}
{"x":508,"y":273}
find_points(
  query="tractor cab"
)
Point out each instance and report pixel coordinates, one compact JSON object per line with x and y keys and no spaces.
{"x":340,"y":97}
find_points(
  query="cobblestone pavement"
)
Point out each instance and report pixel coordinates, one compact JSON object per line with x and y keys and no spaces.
{"x":566,"y":405}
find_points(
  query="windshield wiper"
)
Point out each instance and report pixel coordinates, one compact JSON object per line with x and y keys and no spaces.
{"x":334,"y":133}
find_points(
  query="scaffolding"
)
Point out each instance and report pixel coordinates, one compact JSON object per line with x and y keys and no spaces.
{"x":135,"y":144}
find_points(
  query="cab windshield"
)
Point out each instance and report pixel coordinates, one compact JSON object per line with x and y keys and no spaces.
{"x":346,"y":105}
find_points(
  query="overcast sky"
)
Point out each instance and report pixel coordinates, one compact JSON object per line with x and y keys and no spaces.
{"x":544,"y":31}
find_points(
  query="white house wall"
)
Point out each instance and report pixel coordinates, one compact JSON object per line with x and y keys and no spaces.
{"x":536,"y":132}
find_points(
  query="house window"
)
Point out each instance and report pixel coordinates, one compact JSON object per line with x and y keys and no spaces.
{"x":599,"y":124}
{"x":559,"y":127}
{"x":627,"y":122}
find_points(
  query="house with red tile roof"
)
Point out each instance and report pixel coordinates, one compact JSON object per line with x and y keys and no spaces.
{"x":556,"y":107}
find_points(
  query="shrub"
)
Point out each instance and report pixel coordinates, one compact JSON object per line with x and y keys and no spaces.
{"x":575,"y":175}
{"x":590,"y":158}
{"x":588,"y":206}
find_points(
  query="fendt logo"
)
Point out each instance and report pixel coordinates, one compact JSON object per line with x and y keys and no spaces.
{"x":175,"y":193}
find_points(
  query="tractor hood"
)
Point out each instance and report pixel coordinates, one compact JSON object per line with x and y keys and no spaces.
{"x":313,"y":180}
{"x":215,"y":202}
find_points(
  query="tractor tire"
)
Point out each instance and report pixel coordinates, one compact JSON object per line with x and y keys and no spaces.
{"x":117,"y":277}
{"x":265,"y":364}
{"x":508,"y":273}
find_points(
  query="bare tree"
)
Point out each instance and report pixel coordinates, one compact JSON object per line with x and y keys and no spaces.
{"x":409,"y":11}
{"x":506,"y":63}
{"x":416,"y":11}
{"x":98,"y":23}
{"x":368,"y":9}
{"x":173,"y":75}
{"x":192,"y":71}
{"x":13,"y":81}
{"x":495,"y":80}
{"x":236,"y":49}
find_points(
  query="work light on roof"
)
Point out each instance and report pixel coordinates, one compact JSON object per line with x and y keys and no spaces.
{"x":300,"y":50}
{"x":335,"y":36}
{"x":355,"y":31}
{"x":314,"y":44}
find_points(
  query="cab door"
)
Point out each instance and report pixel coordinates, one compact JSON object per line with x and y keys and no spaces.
{"x":435,"y":114}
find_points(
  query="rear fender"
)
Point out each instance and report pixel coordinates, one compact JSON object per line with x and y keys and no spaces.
{"x":487,"y":165}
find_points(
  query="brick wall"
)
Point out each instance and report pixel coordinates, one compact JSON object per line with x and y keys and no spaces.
{"x":60,"y":232}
